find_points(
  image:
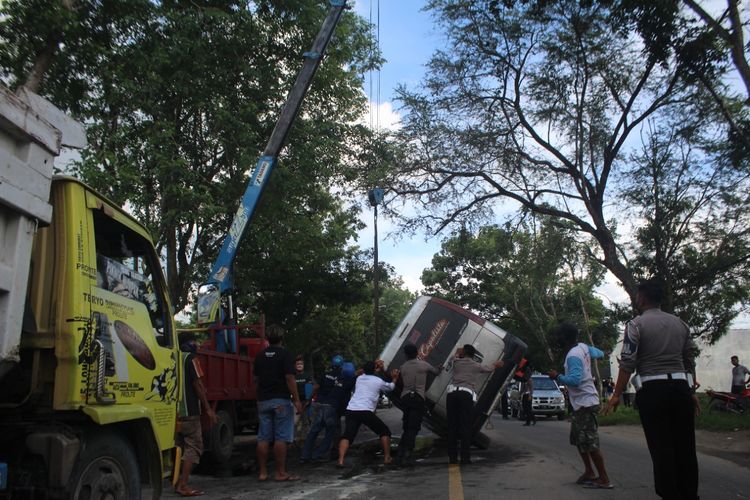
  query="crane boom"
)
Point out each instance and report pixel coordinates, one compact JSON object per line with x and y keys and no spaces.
{"x":220,"y":279}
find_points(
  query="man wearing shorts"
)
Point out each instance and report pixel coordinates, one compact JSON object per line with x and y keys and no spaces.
{"x":361,"y":410}
{"x":189,"y":421}
{"x":584,"y":427}
{"x":277,"y":400}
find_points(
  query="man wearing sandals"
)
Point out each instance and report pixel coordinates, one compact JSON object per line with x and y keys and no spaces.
{"x":361,"y":409}
{"x":189,"y":422}
{"x":277,"y":401}
{"x":658,"y":346}
{"x":584,"y":427}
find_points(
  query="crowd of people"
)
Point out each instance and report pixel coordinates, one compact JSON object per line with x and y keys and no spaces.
{"x":657,"y":346}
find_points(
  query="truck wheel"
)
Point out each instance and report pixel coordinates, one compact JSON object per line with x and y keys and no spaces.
{"x":221,"y":438}
{"x":106,"y":469}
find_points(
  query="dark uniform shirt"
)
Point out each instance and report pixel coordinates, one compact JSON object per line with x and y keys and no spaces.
{"x":335,"y":390}
{"x":192,"y":403}
{"x":302,"y":380}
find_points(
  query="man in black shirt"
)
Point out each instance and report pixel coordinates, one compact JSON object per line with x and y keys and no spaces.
{"x":277,"y":400}
{"x":333,"y":391}
{"x":302,"y":420}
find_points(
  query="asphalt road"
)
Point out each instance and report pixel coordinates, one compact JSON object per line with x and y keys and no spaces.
{"x":523,"y":463}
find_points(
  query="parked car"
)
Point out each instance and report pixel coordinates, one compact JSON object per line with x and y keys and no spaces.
{"x":548,"y":398}
{"x":384,"y":402}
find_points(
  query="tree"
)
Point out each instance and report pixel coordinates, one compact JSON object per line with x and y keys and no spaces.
{"x":179,"y":99}
{"x":526,"y":278}
{"x":708,"y":42}
{"x":347,"y":329}
{"x":694,"y":229}
{"x":542,"y":107}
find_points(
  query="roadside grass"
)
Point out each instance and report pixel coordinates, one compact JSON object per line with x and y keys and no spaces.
{"x":717,"y":421}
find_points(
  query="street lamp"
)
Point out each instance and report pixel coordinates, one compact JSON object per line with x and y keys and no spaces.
{"x":375,"y":197}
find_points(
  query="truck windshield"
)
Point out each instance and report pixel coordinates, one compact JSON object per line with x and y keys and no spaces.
{"x":125,"y":265}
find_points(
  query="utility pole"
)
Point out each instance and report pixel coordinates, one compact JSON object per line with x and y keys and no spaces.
{"x":375,"y":197}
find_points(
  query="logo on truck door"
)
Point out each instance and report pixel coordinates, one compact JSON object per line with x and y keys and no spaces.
{"x":135,"y":345}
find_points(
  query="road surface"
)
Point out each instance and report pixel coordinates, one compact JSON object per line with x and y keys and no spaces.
{"x":523,"y":462}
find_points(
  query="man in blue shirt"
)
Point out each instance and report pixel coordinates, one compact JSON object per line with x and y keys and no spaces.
{"x":584,"y":428}
{"x":332,"y":392}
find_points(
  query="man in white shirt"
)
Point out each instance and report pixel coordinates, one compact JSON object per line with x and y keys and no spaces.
{"x":361,"y":410}
{"x":584,"y":399}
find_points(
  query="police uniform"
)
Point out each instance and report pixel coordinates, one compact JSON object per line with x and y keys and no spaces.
{"x":460,"y":406}
{"x":658,"y":346}
{"x":414,"y":378}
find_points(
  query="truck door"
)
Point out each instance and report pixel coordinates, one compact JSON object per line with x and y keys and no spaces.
{"x":132,"y":317}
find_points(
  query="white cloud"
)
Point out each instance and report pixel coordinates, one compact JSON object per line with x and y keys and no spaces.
{"x":382,"y":117}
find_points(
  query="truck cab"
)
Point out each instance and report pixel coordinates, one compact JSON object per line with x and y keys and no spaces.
{"x":89,"y":386}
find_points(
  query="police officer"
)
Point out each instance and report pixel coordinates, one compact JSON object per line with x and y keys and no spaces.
{"x":658,"y":346}
{"x":462,"y":394}
{"x":414,"y":379}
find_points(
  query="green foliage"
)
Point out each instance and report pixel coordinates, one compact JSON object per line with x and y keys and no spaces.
{"x":338,"y":329}
{"x":694,"y":230}
{"x":527,"y":279}
{"x":179,"y":99}
{"x":542,"y":106}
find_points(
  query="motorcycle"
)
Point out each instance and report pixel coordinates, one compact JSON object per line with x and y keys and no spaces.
{"x":726,"y":401}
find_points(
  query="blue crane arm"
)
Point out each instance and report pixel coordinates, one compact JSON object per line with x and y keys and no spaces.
{"x":220,"y":279}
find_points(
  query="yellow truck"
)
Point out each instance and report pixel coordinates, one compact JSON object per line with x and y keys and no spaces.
{"x":89,"y":371}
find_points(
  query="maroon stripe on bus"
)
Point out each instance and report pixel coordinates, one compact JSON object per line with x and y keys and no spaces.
{"x":460,"y":310}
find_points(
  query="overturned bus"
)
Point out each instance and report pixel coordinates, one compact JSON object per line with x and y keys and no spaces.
{"x":438,"y":328}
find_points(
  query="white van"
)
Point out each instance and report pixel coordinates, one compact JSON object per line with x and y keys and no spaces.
{"x":438,"y":328}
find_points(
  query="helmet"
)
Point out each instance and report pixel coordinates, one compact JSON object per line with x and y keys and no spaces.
{"x":337,"y":361}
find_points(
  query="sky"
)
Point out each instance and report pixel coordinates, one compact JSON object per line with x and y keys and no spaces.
{"x":407,"y":40}
{"x":408,"y":37}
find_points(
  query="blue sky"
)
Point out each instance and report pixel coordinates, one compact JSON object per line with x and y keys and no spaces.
{"x":408,"y":37}
{"x":407,"y":40}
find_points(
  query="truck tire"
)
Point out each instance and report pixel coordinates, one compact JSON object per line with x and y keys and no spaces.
{"x":221,"y":439}
{"x":106,"y":468}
